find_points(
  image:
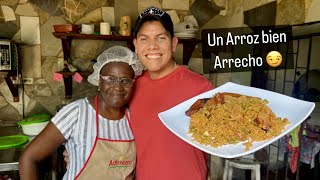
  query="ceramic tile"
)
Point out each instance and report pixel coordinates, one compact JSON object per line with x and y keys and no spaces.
{"x":60,"y":64}
{"x":23,"y":1}
{"x":8,"y":13}
{"x":216,"y":167}
{"x":191,"y":19}
{"x":303,"y":53}
{"x":177,"y":4}
{"x":196,"y":65}
{"x":26,"y":10}
{"x":178,"y":54}
{"x":52,"y":7}
{"x":53,"y":46}
{"x":43,"y":90}
{"x":41,"y":81}
{"x":223,"y":78}
{"x":31,"y":61}
{"x":203,"y":11}
{"x":313,"y":12}
{"x":315,"y":55}
{"x":84,"y":49}
{"x":11,"y":3}
{"x":279,"y":86}
{"x":251,"y":4}
{"x":30,"y":30}
{"x":280,"y":75}
{"x":17,"y":37}
{"x":94,"y":4}
{"x":4,"y":89}
{"x":264,"y":15}
{"x":49,"y":104}
{"x":174,"y":16}
{"x":271,"y":75}
{"x":307,"y":4}
{"x":60,"y":55}
{"x":3,"y":102}
{"x":121,"y":10}
{"x":44,"y":16}
{"x":108,"y":15}
{"x":228,"y":21}
{"x":8,"y":29}
{"x":221,"y":3}
{"x":288,"y":88}
{"x":290,"y":73}
{"x":243,"y":78}
{"x":93,"y":16}
{"x":50,"y":65}
{"x":291,"y":12}
{"x":74,"y":10}
{"x":30,"y":106}
{"x":233,"y":5}
{"x":143,"y":4}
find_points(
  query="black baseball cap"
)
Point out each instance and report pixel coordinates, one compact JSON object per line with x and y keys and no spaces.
{"x":154,"y":14}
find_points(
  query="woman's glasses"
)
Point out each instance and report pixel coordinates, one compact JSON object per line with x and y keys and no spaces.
{"x":111,"y":81}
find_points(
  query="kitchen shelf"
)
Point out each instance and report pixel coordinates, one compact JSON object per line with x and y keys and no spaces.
{"x":67,"y":79}
{"x":66,"y":39}
{"x":68,"y":73}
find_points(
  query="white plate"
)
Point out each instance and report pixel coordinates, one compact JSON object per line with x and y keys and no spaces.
{"x":283,"y":106}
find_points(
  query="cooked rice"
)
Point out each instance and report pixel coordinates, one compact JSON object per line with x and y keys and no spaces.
{"x":238,"y":119}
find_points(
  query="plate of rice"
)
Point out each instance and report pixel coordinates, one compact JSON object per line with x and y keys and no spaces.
{"x":236,"y":120}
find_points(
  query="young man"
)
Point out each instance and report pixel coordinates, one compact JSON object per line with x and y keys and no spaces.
{"x":161,"y":154}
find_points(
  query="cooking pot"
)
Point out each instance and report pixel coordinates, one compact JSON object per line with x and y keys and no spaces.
{"x":33,"y":125}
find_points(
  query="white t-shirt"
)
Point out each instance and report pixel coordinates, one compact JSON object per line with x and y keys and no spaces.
{"x":76,"y":121}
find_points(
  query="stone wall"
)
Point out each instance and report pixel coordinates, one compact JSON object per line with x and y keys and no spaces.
{"x":30,"y":22}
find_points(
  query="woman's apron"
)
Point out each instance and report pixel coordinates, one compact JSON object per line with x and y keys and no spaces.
{"x":109,"y":159}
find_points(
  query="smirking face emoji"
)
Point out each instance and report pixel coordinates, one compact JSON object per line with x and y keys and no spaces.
{"x":274,"y":58}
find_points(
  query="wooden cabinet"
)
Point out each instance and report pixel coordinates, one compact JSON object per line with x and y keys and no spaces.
{"x":66,"y":39}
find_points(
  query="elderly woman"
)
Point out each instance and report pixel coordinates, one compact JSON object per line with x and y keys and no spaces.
{"x":95,"y":130}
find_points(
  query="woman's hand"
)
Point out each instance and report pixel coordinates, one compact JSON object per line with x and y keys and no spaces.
{"x":66,"y":158}
{"x":41,"y":147}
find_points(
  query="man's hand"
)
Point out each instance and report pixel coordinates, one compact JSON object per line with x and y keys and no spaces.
{"x":66,"y":158}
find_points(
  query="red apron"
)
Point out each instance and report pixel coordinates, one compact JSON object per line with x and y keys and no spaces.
{"x":109,"y":159}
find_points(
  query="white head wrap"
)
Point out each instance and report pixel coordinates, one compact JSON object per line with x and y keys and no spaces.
{"x":115,"y":54}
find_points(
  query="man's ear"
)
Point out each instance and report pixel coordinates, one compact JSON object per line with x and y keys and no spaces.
{"x":99,"y":85}
{"x":100,"y":82}
{"x":135,"y":43}
{"x":174,"y":43}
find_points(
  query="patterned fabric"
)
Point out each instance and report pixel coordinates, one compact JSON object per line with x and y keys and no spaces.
{"x":309,"y":149}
